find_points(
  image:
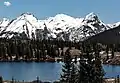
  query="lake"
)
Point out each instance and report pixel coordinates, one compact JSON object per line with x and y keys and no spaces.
{"x":29,"y":71}
{"x":45,"y":70}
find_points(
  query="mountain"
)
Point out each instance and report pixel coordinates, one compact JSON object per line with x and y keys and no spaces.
{"x":111,"y":36}
{"x":61,"y":27}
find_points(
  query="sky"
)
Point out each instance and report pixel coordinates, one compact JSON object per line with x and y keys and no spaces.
{"x":107,"y":10}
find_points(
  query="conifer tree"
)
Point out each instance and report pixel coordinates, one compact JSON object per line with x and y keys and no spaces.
{"x":107,"y":49}
{"x":99,"y":72}
{"x":90,"y":68}
{"x":65,"y":77}
{"x":112,"y":49}
{"x":73,"y":73}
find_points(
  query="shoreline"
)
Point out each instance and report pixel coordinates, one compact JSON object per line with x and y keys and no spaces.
{"x":106,"y":80}
{"x":110,"y":61}
{"x":34,"y":81}
{"x":25,"y":59}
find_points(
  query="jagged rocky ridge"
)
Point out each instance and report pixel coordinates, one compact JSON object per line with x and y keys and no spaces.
{"x":61,"y":27}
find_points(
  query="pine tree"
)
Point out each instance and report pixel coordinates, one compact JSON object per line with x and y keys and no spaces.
{"x":65,"y":77}
{"x":107,"y":49}
{"x":112,"y":49}
{"x":99,"y":72}
{"x":73,"y":73}
{"x":85,"y":69}
{"x":8,"y":50}
{"x":1,"y":50}
{"x":90,"y":68}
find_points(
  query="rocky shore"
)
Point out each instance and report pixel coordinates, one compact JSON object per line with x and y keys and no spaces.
{"x":22,"y":59}
{"x":111,"y":60}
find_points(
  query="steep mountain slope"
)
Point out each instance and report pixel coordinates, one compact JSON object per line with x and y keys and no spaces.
{"x":111,"y":36}
{"x":61,"y":27}
{"x":25,"y":23}
{"x":3,"y":23}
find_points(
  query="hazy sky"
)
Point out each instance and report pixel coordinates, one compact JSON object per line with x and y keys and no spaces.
{"x":108,"y":10}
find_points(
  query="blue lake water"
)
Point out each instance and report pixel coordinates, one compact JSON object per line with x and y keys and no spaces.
{"x":111,"y":70}
{"x":29,"y":71}
{"x":45,"y":71}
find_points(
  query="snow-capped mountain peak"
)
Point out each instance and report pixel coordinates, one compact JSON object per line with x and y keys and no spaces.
{"x":63,"y":16}
{"x":26,"y":23}
{"x":92,"y":17}
{"x":4,"y":22}
{"x":61,"y":26}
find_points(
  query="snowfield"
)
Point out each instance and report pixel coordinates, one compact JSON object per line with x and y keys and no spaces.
{"x":61,"y":27}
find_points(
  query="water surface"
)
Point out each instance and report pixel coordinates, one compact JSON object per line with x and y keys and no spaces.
{"x":111,"y":70}
{"x":45,"y":70}
{"x":29,"y":71}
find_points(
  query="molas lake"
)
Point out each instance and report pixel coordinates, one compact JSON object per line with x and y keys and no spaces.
{"x":46,"y":71}
{"x":59,"y":41}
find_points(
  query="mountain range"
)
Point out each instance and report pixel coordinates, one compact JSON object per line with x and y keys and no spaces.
{"x":60,"y":27}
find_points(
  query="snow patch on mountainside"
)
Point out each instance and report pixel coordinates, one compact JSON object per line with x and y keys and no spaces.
{"x":61,"y":27}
